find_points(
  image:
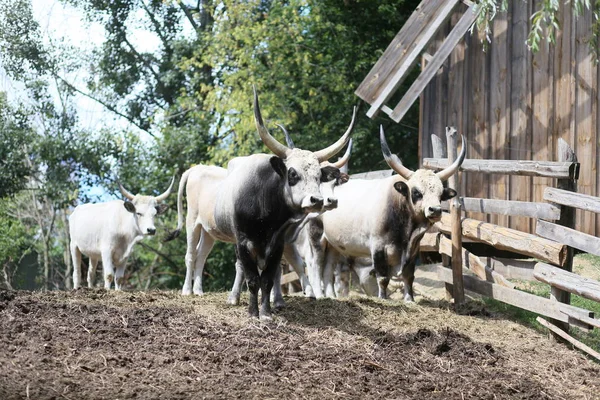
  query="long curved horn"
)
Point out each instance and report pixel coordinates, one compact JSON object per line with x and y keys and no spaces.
{"x":125,"y":192}
{"x":277,"y":148}
{"x":288,"y":139}
{"x":328,"y":152}
{"x":391,"y":159}
{"x":345,"y":158}
{"x":452,"y":169}
{"x":163,"y":196}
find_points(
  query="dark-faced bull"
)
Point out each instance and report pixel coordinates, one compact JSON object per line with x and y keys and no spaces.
{"x":108,"y":231}
{"x":249,"y":204}
{"x":385,"y":219}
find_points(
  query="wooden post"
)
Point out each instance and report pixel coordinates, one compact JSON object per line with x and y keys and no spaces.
{"x":567,"y":218}
{"x":439,"y":151}
{"x":458,"y":291}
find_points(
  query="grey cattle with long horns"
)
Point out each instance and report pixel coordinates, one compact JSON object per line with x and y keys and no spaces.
{"x":385,"y":219}
{"x":108,"y":231}
{"x":252,"y":203}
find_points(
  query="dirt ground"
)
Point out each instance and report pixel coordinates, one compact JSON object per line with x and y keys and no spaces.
{"x":93,"y":344}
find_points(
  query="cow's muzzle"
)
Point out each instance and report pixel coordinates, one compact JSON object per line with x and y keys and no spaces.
{"x":330,"y":204}
{"x":434,"y":213}
{"x":312,"y":203}
{"x":151,"y":231}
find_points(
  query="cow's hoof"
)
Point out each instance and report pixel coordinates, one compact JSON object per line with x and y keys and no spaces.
{"x":186,"y":292}
{"x":409,"y":299}
{"x":233,"y":300}
{"x":279,"y":304}
{"x":266,"y":317}
{"x":308,"y":292}
{"x":198,"y":292}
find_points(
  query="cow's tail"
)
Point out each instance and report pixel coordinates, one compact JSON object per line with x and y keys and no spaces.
{"x":182,"y":184}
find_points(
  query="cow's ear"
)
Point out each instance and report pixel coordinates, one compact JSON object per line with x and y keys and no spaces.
{"x":161,"y":208}
{"x":344,"y":177}
{"x":402,"y":188}
{"x":278,"y":165}
{"x":329,"y":173}
{"x":129,"y":206}
{"x":448,"y":193}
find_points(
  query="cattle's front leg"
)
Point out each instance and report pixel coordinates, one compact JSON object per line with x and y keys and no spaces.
{"x":92,"y":272}
{"x":278,"y":301}
{"x":234,"y":296}
{"x":273,"y":262}
{"x":252,"y":278}
{"x":120,"y":275}
{"x":293,"y":258}
{"x":382,"y":272}
{"x":108,"y":269}
{"x":76,"y":257}
{"x":408,"y":277}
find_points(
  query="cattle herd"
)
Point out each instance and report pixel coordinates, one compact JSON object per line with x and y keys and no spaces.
{"x":294,"y":204}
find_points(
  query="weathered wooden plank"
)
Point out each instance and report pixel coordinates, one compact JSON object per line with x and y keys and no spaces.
{"x":507,"y":207}
{"x":477,"y":129}
{"x":572,"y":283}
{"x":585,"y":320}
{"x":391,"y":59}
{"x":585,"y":147}
{"x":289,"y":277}
{"x":568,"y":236}
{"x":458,"y":291}
{"x":517,"y":298}
{"x":520,"y":97}
{"x":384,"y":173}
{"x":409,"y":55}
{"x":499,"y":108}
{"x":572,"y":199}
{"x":549,"y":169}
{"x":438,"y":59}
{"x":542,"y":104}
{"x":473,"y":263}
{"x":569,"y":338}
{"x":509,"y":239}
{"x":511,"y":268}
{"x":430,"y":242}
{"x":567,"y":218}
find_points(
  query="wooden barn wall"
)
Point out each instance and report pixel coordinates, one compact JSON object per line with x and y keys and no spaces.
{"x":512,"y":104}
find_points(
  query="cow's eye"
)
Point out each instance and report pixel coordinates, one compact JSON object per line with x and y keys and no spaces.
{"x":138,"y":214}
{"x":416,"y":196}
{"x":293,"y":177}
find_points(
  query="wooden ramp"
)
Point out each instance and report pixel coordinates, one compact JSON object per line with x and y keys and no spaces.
{"x":403,"y":53}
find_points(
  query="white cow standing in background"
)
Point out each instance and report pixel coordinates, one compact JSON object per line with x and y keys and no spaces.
{"x":107,"y":232}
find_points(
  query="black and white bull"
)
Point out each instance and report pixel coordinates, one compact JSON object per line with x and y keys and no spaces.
{"x":108,"y":231}
{"x":250,"y":204}
{"x":297,"y":251}
{"x":385,"y":219}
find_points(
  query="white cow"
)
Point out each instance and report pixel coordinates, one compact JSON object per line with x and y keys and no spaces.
{"x":107,"y":232}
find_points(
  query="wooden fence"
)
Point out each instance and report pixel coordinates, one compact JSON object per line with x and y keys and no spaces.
{"x":552,"y":244}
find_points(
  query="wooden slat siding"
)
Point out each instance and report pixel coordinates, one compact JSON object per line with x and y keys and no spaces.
{"x":438,"y":59}
{"x":548,"y":169}
{"x":541,"y":113}
{"x":508,"y":207}
{"x":577,"y":200}
{"x":405,"y":56}
{"x":585,"y":145}
{"x":520,"y":136}
{"x":499,"y":108}
{"x":570,"y":237}
{"x":440,"y":101}
{"x":477,"y":131}
{"x":456,"y":81}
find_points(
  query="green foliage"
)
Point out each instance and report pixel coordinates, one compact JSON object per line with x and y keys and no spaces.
{"x":15,"y":135}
